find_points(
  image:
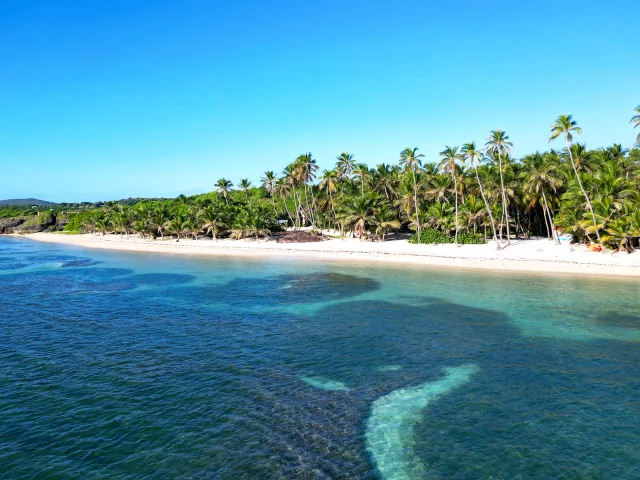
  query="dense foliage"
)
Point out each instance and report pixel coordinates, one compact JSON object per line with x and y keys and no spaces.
{"x":435,"y":237}
{"x":472,"y":193}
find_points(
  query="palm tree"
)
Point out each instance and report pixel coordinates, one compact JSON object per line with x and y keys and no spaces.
{"x":439,"y":188}
{"x":282,"y":189}
{"x":345,"y":164}
{"x":269,"y":184}
{"x":122,"y":219}
{"x":245,"y":185}
{"x":179,"y":225}
{"x":386,"y":180}
{"x":291,"y":180}
{"x":498,"y":145}
{"x":306,"y":167}
{"x":471,"y":154}
{"x":361,"y":172}
{"x":539,"y":176}
{"x":410,"y":161}
{"x":223,"y":187}
{"x":449,"y":157}
{"x":256,"y":221}
{"x":159,"y":218}
{"x":329,"y":183}
{"x":213,"y":221}
{"x":358,"y":213}
{"x":565,"y":124}
{"x":384,"y":218}
{"x":635,"y":120}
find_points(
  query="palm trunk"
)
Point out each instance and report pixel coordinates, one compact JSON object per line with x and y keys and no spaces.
{"x":553,"y":232}
{"x":455,"y":186}
{"x":504,"y":201}
{"x":506,"y":214}
{"x":546,"y":221}
{"x":306,"y":200}
{"x":415,"y":201}
{"x":333,"y":208}
{"x":486,"y":204}
{"x":300,"y":208}
{"x":295,"y":205}
{"x":593,"y":215}
{"x":284,"y":201}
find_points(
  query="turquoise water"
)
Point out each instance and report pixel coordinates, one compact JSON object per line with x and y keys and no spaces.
{"x":122,"y":365}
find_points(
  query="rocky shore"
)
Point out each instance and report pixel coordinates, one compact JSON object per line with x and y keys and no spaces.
{"x":44,"y":222}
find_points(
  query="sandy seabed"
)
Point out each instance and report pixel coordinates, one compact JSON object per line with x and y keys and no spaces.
{"x":540,"y":256}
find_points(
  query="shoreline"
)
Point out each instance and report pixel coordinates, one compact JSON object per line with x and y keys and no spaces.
{"x":524,"y":256}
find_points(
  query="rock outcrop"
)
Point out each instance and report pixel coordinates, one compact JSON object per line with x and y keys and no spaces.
{"x":39,"y":223}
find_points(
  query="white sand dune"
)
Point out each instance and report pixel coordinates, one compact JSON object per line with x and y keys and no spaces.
{"x":540,"y":256}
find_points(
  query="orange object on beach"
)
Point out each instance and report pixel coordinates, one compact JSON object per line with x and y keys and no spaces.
{"x":594,"y":247}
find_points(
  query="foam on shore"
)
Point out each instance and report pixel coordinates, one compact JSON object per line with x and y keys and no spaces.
{"x":389,"y":428}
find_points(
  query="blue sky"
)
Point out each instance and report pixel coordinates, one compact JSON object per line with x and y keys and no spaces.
{"x":110,"y":99}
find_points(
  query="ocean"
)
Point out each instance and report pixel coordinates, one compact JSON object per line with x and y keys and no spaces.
{"x":134,"y":365}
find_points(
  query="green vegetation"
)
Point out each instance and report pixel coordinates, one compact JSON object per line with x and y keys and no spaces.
{"x":39,"y":219}
{"x":435,"y":237}
{"x":471,"y":194}
{"x":11,"y":211}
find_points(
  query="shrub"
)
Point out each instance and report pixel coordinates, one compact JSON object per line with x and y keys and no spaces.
{"x":433,"y":236}
{"x":468,"y":238}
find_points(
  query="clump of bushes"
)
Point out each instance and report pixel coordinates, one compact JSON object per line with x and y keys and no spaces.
{"x":77,"y":220}
{"x":433,"y":236}
{"x":468,"y":238}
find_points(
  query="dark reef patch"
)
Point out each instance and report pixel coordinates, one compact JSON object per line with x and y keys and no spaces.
{"x":614,"y":319}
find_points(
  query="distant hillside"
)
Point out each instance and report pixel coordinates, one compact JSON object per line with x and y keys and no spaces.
{"x":26,"y":201}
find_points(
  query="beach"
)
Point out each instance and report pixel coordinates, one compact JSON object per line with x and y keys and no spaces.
{"x":523,"y":255}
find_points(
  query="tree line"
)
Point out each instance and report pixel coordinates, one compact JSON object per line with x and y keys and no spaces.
{"x":471,"y":193}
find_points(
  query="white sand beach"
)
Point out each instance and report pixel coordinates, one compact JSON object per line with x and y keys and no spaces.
{"x":541,"y":256}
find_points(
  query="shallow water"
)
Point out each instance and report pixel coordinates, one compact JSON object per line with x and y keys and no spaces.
{"x":153,"y":366}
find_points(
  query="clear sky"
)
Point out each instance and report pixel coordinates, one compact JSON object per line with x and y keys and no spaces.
{"x":110,"y":99}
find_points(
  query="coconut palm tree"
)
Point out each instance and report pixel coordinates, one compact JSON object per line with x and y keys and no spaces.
{"x":292,"y":182}
{"x":439,"y":188}
{"x":361,"y":172}
{"x":498,"y":145}
{"x":213,"y":220}
{"x":385,"y":180}
{"x":567,"y":126}
{"x":410,"y":162}
{"x":159,"y":218}
{"x":305,"y":168}
{"x":384,"y":219}
{"x":245,"y":185}
{"x":450,"y":155}
{"x":473,"y":212}
{"x":472,"y":156}
{"x":345,"y":164}
{"x":179,"y":225}
{"x":256,"y":221}
{"x":357,"y":213}
{"x":539,"y":177}
{"x":282,"y":189}
{"x":223,"y":187}
{"x":269,"y":184}
{"x":329,"y":183}
{"x":635,"y":120}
